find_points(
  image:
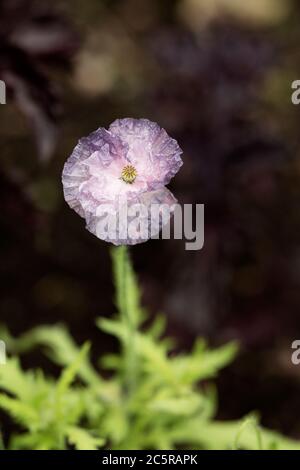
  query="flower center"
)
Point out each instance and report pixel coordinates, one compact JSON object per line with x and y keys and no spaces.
{"x":128,"y":174}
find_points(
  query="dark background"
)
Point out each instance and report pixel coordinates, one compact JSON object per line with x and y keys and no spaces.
{"x":217,"y":75}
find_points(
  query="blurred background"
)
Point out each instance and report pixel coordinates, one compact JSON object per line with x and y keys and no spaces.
{"x":217,"y":75}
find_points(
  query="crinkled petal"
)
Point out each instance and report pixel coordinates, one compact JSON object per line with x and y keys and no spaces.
{"x":86,"y":167}
{"x":152,"y":151}
{"x":129,"y":222}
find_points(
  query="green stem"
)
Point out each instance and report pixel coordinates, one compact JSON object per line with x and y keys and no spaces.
{"x":129,"y":324}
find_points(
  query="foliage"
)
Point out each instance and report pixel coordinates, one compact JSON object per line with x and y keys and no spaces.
{"x":151,"y":399}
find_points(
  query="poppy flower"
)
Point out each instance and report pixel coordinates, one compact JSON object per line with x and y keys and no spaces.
{"x":120,"y":174}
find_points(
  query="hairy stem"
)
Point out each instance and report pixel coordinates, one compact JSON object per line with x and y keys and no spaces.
{"x":122,"y":272}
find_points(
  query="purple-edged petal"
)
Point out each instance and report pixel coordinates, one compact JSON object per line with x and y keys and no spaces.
{"x":84,"y":173}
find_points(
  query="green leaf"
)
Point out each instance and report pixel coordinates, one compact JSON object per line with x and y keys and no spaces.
{"x":218,"y":435}
{"x":82,"y":439}
{"x":203,"y":363}
{"x":69,"y":374}
{"x":22,"y":412}
{"x":178,"y":406}
{"x":60,"y":347}
{"x":15,"y":381}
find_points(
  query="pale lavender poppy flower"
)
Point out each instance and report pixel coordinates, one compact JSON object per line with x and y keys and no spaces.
{"x":132,"y":161}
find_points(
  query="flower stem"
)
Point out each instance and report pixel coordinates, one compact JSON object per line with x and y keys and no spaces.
{"x":123,"y":276}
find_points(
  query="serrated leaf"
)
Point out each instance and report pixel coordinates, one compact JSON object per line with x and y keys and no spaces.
{"x":82,"y":439}
{"x":22,"y":412}
{"x":69,"y":374}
